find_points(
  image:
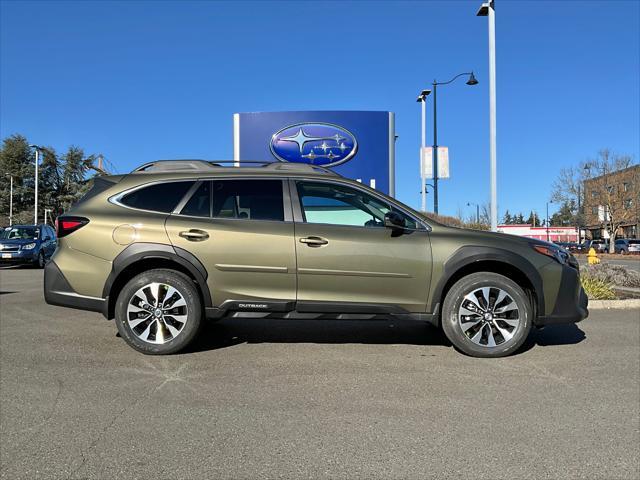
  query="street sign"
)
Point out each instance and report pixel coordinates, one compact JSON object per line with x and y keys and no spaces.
{"x":426,"y":162}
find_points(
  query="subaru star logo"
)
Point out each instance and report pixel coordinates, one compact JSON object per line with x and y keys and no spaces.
{"x":322,"y":144}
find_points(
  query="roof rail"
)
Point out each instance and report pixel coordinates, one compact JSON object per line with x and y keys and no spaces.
{"x":197,"y":164}
{"x":173,"y":165}
{"x":300,"y":167}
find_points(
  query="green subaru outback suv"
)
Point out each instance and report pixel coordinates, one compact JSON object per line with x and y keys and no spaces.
{"x":176,"y":242}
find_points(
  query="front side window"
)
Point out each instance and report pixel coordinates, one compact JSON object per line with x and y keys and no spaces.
{"x":342,"y":205}
{"x":159,"y":197}
{"x":248,"y":199}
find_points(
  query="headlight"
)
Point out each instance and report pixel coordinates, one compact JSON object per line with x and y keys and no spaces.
{"x":552,"y":251}
{"x":29,"y":246}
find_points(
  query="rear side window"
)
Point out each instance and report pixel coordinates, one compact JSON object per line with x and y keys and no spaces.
{"x":160,"y":197}
{"x":199,"y":205}
{"x":248,"y":199}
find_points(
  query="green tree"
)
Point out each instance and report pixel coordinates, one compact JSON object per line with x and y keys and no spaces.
{"x":17,"y":161}
{"x":566,"y":215}
{"x":507,"y":219}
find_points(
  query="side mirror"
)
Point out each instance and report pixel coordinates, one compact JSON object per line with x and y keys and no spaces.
{"x":47,"y":238}
{"x":394,"y":221}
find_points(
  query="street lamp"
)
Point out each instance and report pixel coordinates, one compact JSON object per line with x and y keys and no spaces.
{"x":37,"y":148}
{"x":10,"y":197}
{"x":471,"y":81}
{"x":477,"y":211}
{"x":422,"y":98}
{"x":547,"y":224}
{"x":488,"y":10}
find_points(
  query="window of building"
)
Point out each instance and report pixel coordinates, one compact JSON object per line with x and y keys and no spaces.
{"x":159,"y":197}
{"x":248,"y":199}
{"x":594,"y":210}
{"x":594,"y":194}
{"x":628,"y":203}
{"x":610,"y":188}
{"x":625,"y":187}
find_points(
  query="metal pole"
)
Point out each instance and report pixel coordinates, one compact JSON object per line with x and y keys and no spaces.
{"x":435,"y":148}
{"x":477,"y":214}
{"x":547,"y":224}
{"x":35,"y":206}
{"x":579,"y":214}
{"x":422,"y":145}
{"x":492,"y":117}
{"x":10,"y":200}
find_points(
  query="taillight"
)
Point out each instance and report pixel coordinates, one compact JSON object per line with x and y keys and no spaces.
{"x":67,"y":225}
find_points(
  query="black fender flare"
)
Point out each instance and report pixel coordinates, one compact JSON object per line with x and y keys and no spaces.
{"x":144,"y":251}
{"x":469,"y":254}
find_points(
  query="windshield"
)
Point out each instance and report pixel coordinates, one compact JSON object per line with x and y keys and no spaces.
{"x":19,"y":233}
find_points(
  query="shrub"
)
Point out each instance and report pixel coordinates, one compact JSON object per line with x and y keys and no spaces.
{"x":597,"y":289}
{"x":613,"y":274}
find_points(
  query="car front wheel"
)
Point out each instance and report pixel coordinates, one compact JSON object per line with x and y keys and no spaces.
{"x":159,"y":312}
{"x":486,"y":315}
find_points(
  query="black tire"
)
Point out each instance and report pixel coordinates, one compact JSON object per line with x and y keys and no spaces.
{"x":40,"y":261}
{"x":187,"y":330}
{"x":452,"y":322}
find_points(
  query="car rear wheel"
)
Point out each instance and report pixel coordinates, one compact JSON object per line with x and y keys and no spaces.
{"x":486,"y":315}
{"x":159,"y":312}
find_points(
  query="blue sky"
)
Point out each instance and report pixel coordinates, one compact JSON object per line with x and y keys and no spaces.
{"x":139,"y":81}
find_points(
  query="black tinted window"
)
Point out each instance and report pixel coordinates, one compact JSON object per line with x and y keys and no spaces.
{"x":199,"y":205}
{"x":248,"y":199}
{"x":160,"y":197}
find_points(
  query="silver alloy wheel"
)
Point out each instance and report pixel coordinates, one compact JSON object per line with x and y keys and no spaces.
{"x":157,"y":313}
{"x":489,"y":316}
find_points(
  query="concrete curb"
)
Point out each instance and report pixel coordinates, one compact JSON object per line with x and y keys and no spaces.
{"x":632,"y":303}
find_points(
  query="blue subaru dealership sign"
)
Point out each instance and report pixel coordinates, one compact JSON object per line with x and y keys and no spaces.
{"x":358,"y":145}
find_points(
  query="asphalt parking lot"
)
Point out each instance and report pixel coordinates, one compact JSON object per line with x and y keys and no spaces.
{"x":311,"y":399}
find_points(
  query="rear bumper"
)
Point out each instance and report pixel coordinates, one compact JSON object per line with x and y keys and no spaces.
{"x":57,"y":291}
{"x":571,"y":303}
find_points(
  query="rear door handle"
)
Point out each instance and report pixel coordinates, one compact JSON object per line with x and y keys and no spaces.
{"x":194,"y":235}
{"x":314,"y":241}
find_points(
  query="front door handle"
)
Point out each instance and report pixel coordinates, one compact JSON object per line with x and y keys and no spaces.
{"x":314,"y":241}
{"x":194,"y":235}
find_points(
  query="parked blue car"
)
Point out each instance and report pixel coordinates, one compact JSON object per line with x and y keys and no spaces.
{"x":27,"y":244}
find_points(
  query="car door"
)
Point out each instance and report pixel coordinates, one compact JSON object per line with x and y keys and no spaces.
{"x":241,"y":230}
{"x":346,"y":256}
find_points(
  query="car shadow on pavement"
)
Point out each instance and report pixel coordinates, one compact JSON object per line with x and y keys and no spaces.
{"x":235,"y":331}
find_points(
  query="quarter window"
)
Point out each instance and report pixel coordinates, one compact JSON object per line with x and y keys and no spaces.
{"x":159,"y":197}
{"x":342,"y":205}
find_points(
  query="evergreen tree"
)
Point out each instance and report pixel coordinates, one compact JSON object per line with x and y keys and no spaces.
{"x":507,"y":219}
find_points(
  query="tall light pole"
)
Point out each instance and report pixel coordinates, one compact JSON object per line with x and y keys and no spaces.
{"x":422,"y":98}
{"x":35,"y":203}
{"x":472,"y":81}
{"x":10,"y":198}
{"x":547,"y":224}
{"x":488,"y":10}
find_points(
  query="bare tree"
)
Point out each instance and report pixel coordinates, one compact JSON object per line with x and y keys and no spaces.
{"x":596,"y":174}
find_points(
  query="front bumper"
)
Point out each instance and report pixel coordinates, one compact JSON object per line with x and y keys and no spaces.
{"x":18,"y":257}
{"x":57,"y":291}
{"x":571,"y":302}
